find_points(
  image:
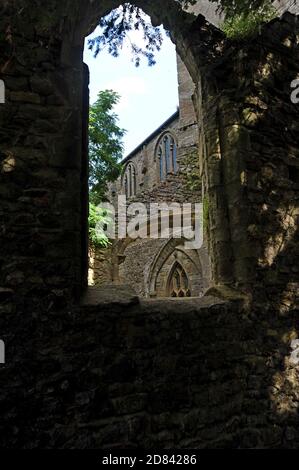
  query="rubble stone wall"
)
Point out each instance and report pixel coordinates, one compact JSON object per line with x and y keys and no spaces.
{"x":122,"y":373}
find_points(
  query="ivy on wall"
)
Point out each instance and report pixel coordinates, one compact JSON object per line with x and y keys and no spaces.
{"x":247,"y":23}
{"x":193,"y":179}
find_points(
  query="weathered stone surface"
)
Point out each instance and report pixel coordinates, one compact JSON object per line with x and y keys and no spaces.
{"x":147,"y":375}
{"x":103,"y":296}
{"x":135,"y":262}
{"x":42,"y":86}
{"x":25,"y":97}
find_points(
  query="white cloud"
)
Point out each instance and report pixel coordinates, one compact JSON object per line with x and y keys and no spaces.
{"x":127,"y":87}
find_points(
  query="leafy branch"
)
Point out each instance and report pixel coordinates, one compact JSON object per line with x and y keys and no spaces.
{"x":98,"y":218}
{"x":241,"y":17}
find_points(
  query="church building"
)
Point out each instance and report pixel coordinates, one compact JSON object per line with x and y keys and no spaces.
{"x":165,"y":168}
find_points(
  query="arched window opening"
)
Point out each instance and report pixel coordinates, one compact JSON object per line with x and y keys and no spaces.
{"x":130,"y":180}
{"x":161,"y":165}
{"x":134,"y":181}
{"x":173,"y":150}
{"x":126,"y":186}
{"x":167,"y":156}
{"x":148,"y":157}
{"x":178,"y":284}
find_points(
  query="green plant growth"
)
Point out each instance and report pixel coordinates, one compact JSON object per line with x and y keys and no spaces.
{"x":105,"y":145}
{"x":98,"y":218}
{"x":193,"y":179}
{"x":117,"y":26}
{"x":243,"y":17}
{"x":247,"y":23}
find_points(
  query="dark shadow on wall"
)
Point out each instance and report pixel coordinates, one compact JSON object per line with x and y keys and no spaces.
{"x":122,"y":374}
{"x":255,"y":78}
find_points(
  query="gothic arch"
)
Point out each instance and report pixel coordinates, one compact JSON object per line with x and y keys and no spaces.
{"x":182,"y":27}
{"x":166,"y":155}
{"x":170,"y":14}
{"x":164,"y":261}
{"x":166,"y":132}
{"x":178,"y":283}
{"x":130,"y":179}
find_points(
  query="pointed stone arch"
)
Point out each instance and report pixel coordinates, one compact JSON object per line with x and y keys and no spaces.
{"x":63,"y":88}
{"x":181,"y":25}
{"x":130,"y":179}
{"x":194,"y":262}
{"x":178,"y":283}
{"x":166,"y":150}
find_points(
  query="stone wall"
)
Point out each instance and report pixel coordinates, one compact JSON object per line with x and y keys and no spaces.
{"x":40,"y":155}
{"x":100,"y":266}
{"x":250,"y":163}
{"x":171,"y":374}
{"x":136,"y":261}
{"x":145,"y":266}
{"x":190,"y":262}
{"x":138,"y":258}
{"x":168,"y":374}
{"x":209,"y":9}
{"x":182,"y":187}
{"x":146,"y":163}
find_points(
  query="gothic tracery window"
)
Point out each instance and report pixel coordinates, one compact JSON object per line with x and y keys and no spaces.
{"x":130,"y":180}
{"x":167,"y":156}
{"x":178,"y":284}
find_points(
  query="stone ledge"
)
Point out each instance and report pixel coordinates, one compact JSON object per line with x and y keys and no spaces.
{"x":123,"y":296}
{"x":192,"y":304}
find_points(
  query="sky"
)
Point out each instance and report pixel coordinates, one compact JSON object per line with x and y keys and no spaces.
{"x":149,"y":95}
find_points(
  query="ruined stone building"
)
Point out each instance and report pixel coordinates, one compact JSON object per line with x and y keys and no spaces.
{"x":103,"y":368}
{"x":165,"y":168}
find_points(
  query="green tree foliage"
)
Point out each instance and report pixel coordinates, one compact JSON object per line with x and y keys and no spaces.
{"x":97,"y":218}
{"x":246,"y":22}
{"x":105,"y":145}
{"x":116,"y":26}
{"x":243,"y":16}
{"x":232,"y":8}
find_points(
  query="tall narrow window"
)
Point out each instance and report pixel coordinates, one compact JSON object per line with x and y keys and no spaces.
{"x":134,"y":182}
{"x":161,"y":165}
{"x":130,"y":180}
{"x":178,"y":283}
{"x":126,"y":186}
{"x":167,"y":156}
{"x":174,"y":156}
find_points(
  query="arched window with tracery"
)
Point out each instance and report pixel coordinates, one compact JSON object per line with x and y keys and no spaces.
{"x":130,"y":180}
{"x":167,"y":156}
{"x":178,"y":282}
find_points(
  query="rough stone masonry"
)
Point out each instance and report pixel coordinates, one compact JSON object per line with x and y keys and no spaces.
{"x":111,"y":370}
